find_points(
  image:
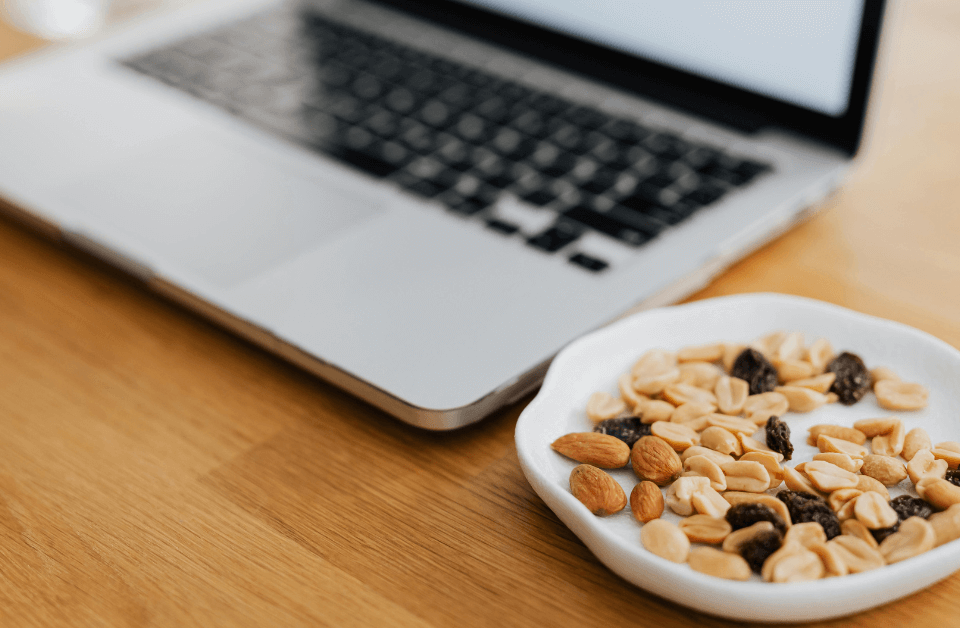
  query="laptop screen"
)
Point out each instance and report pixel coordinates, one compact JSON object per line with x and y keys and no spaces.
{"x":797,"y":51}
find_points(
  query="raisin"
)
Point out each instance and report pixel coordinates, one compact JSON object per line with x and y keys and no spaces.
{"x":758,"y":549}
{"x":804,"y":507}
{"x":628,"y":429}
{"x":853,"y":378}
{"x":953,"y":476}
{"x":778,"y":437}
{"x":756,"y":370}
{"x":883,"y":533}
{"x":906,"y":507}
{"x":747,"y":514}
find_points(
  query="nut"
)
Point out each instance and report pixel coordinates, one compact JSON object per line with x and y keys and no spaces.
{"x":656,"y":410}
{"x":596,"y":490}
{"x":770,"y":461}
{"x":738,"y":497}
{"x":946,"y":525}
{"x":747,"y":476}
{"x":769,"y":343}
{"x":801,"y":399}
{"x":664,"y":539}
{"x":705,"y":529}
{"x":866,"y":483}
{"x":731,"y":393}
{"x":895,"y":395}
{"x":881,"y":373}
{"x":790,"y":348}
{"x":820,"y":383}
{"x":914,"y":537}
{"x":884,"y":469}
{"x":949,"y":446}
{"x":873,"y":511}
{"x":599,"y":450}
{"x":792,"y":563}
{"x":853,"y":527}
{"x":797,"y":482}
{"x":828,"y":477}
{"x":923,"y":464}
{"x":848,"y":434}
{"x":680,"y":493}
{"x":890,"y":444}
{"x":856,"y":553}
{"x":705,"y":467}
{"x":697,"y":450}
{"x":738,"y":537}
{"x":602,"y":406}
{"x":708,"y":501}
{"x":654,"y":361}
{"x":677,"y":435}
{"x":688,"y":412}
{"x":699,"y":374}
{"x":875,"y":427}
{"x":721,"y":440}
{"x":792,"y":370}
{"x":713,"y":562}
{"x":655,"y":382}
{"x":952,"y":457}
{"x":703,"y":353}
{"x":752,"y":445}
{"x":655,"y":460}
{"x":833,"y":564}
{"x":730,"y":353}
{"x":819,"y":354}
{"x":806,"y":534}
{"x":633,"y":399}
{"x":772,"y":402}
{"x":678,"y":394}
{"x":940,"y":493}
{"x":915,"y":440}
{"x":828,"y":444}
{"x":843,"y":461}
{"x":732,"y":424}
{"x":839,"y":499}
{"x":646,"y":501}
{"x":848,"y":510}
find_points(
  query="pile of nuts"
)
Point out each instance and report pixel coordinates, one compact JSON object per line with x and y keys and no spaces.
{"x":689,"y":423}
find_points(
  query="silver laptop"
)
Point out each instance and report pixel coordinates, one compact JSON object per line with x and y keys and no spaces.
{"x":422,"y":201}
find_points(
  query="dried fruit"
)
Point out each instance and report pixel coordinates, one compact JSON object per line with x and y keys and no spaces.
{"x":655,"y":460}
{"x":805,"y":507}
{"x":882,"y":533}
{"x":853,"y":379}
{"x":756,"y":370}
{"x":628,"y":429}
{"x":664,"y":539}
{"x":745,"y":515}
{"x":906,"y":507}
{"x":596,"y":490}
{"x":737,"y":497}
{"x":599,"y":450}
{"x":760,"y":547}
{"x":736,"y":538}
{"x":714,"y":562}
{"x":646,"y":501}
{"x":778,"y":437}
{"x":953,"y":476}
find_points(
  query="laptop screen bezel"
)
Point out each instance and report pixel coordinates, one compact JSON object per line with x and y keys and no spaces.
{"x":721,"y":102}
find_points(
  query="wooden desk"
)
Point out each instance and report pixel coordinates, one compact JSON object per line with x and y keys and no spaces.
{"x":155,"y":470}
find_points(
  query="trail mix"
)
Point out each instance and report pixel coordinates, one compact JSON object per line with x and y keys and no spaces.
{"x":705,"y":433}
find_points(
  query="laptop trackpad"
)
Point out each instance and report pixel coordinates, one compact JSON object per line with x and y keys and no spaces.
{"x":214,"y":207}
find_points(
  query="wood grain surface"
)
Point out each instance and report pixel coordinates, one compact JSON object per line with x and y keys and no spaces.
{"x":157,"y":471}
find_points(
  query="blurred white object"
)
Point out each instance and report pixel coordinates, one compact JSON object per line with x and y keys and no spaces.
{"x":57,"y":19}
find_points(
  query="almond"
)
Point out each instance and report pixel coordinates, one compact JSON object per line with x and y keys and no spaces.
{"x":596,"y":490}
{"x":646,"y":501}
{"x":655,"y":460}
{"x":599,"y":450}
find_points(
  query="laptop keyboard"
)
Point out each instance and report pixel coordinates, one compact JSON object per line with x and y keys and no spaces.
{"x":457,"y":135}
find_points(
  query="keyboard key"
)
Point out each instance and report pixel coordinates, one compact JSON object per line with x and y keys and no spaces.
{"x":707,"y":193}
{"x":556,"y":237}
{"x":590,"y":263}
{"x":607,"y":224}
{"x":500,"y":226}
{"x":540,"y":197}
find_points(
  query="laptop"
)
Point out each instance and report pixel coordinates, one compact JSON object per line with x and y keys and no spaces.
{"x":422,"y":201}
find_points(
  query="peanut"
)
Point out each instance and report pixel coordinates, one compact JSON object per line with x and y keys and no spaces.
{"x":677,"y":435}
{"x":772,"y":402}
{"x":828,"y":477}
{"x":819,"y":383}
{"x":940,"y":493}
{"x":770,"y":462}
{"x":678,"y":394}
{"x":656,"y":410}
{"x":680,"y":493}
{"x":721,"y":440}
{"x":731,"y":394}
{"x":732,"y":424}
{"x":699,"y":374}
{"x":853,"y":527}
{"x":793,"y":370}
{"x":923,"y":464}
{"x":602,"y":406}
{"x":713,"y":455}
{"x":875,"y":427}
{"x":703,"y":353}
{"x":843,"y":461}
{"x":896,"y":395}
{"x":708,"y":501}
{"x":819,"y":354}
{"x":881,"y":373}
{"x":797,"y":482}
{"x":836,"y":431}
{"x":915,"y":440}
{"x":654,"y":383}
{"x":690,"y":411}
{"x":790,"y":348}
{"x":705,"y":467}
{"x":949,"y":446}
{"x":839,"y":499}
{"x":705,"y":529}
{"x":730,"y":354}
{"x":747,"y":476}
{"x":873,"y":511}
{"x":806,"y":534}
{"x":654,"y":361}
{"x":631,"y":397}
{"x":664,"y":539}
{"x":946,"y":525}
{"x":801,"y":399}
{"x":856,"y":553}
{"x":792,"y":563}
{"x":914,"y":537}
{"x":646,"y":501}
{"x":828,"y":444}
{"x":713,"y":562}
{"x":952,"y":457}
{"x":833,"y":564}
{"x":884,"y":469}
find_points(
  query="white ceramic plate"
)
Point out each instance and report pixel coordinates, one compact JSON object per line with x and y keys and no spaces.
{"x":594,"y":362}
